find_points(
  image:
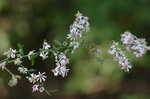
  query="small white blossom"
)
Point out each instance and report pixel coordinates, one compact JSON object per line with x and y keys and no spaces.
{"x":120,"y":57}
{"x":44,"y":55}
{"x":32,"y":78}
{"x":2,"y":65}
{"x":41,"y":89}
{"x":46,"y":45}
{"x":37,"y":78}
{"x":35,"y":88}
{"x":17,"y":61}
{"x":60,"y":70}
{"x":38,"y":88}
{"x":44,"y":51}
{"x":41,"y":77}
{"x":11,"y":53}
{"x":23,"y":70}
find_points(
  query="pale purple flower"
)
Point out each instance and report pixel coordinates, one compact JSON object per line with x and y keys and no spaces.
{"x":137,"y":45}
{"x":127,"y":38}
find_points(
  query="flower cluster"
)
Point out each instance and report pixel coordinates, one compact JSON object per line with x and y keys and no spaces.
{"x":17,"y":57}
{"x":120,"y":56}
{"x":81,"y":25}
{"x":77,"y":29}
{"x":37,"y":81}
{"x":38,"y":88}
{"x":137,"y":45}
{"x":129,"y":42}
{"x":61,"y":62}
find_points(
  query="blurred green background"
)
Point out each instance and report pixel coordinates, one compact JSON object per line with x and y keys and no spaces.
{"x":29,"y":22}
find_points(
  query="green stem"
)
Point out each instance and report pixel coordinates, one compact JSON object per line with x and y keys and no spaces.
{"x":7,"y":70}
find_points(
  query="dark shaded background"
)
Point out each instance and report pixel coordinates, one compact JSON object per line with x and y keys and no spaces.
{"x":29,"y":22}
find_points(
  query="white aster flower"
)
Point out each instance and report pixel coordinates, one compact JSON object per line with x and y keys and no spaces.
{"x":60,"y":70}
{"x":35,"y":88}
{"x":44,"y":55}
{"x":17,"y":61}
{"x":32,"y":78}
{"x":11,"y":53}
{"x":41,"y":77}
{"x":38,"y":88}
{"x":44,"y":51}
{"x":23,"y":70}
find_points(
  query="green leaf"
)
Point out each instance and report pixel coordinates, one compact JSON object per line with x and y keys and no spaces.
{"x":33,"y":57}
{"x":32,"y":70}
{"x":20,"y":47}
{"x":57,"y":42}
